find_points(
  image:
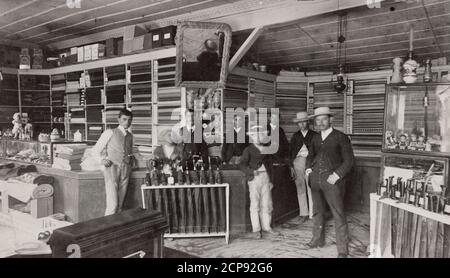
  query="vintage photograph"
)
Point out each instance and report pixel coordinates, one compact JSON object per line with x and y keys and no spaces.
{"x":228,"y":130}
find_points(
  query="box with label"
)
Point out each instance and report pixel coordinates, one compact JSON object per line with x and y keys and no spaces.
{"x":80,"y":54}
{"x":97,"y":51}
{"x":168,"y":35}
{"x":156,"y":38}
{"x":87,"y":52}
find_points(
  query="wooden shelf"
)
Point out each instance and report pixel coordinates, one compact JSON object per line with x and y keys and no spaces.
{"x":413,"y":209}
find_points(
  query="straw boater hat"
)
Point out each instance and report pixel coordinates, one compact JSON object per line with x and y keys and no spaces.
{"x":301,"y":117}
{"x":319,"y":111}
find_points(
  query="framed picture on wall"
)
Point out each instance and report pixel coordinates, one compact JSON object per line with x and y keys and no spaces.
{"x":203,"y":51}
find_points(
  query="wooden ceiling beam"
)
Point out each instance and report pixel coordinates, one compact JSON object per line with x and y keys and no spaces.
{"x":254,"y":35}
{"x":268,"y":13}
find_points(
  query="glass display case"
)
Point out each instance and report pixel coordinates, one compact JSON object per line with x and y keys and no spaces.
{"x":30,"y":151}
{"x":417,"y":119}
{"x":433,"y":172}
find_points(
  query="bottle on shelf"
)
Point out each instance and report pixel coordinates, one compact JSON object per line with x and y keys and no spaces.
{"x":170,"y":178}
{"x":180,"y":175}
{"x":153,"y":174}
{"x":210,"y":172}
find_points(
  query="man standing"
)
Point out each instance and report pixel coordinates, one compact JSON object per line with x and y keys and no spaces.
{"x":298,"y":151}
{"x":232,"y":152}
{"x":281,"y":141}
{"x":194,"y":146}
{"x":257,"y":167}
{"x":114,"y":151}
{"x":329,"y":160}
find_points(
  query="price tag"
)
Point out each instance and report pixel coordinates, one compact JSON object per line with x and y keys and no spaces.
{"x":397,"y":194}
{"x":167,"y":36}
{"x":156,"y":38}
{"x":411,"y":198}
{"x":420,"y":201}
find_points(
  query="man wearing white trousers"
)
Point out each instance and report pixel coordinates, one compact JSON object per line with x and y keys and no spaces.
{"x":114,"y":150}
{"x":257,"y":167}
{"x":298,"y":151}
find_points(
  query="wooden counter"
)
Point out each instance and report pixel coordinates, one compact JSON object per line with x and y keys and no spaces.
{"x":80,"y":195}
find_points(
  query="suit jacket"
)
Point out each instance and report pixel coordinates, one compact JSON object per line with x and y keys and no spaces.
{"x":336,"y":148}
{"x":297,"y":142}
{"x":252,"y":159}
{"x":283,"y":144}
{"x":191,"y":149}
{"x":234,"y":149}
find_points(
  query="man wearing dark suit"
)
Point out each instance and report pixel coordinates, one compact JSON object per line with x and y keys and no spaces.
{"x":232,"y":151}
{"x":194,"y":147}
{"x":282,"y":141}
{"x":298,"y":152}
{"x":329,"y":161}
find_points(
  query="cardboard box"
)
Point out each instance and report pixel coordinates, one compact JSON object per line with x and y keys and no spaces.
{"x":148,"y":42}
{"x":168,"y":35}
{"x":94,"y":51}
{"x":136,"y":44}
{"x":156,"y":38}
{"x":80,"y":54}
{"x":87,"y":52}
{"x":120,"y":48}
{"x":25,"y":62}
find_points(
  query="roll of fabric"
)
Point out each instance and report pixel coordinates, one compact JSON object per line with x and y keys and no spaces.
{"x":42,"y":191}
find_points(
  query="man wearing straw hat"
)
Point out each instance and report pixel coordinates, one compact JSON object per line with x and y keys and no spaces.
{"x":298,"y":151}
{"x":329,"y":161}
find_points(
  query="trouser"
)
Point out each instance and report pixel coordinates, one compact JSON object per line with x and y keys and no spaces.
{"x":325,"y":193}
{"x":303,"y":190}
{"x":260,"y":202}
{"x":116,"y":183}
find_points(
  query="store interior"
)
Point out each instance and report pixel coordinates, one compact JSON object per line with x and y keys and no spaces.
{"x":67,"y":68}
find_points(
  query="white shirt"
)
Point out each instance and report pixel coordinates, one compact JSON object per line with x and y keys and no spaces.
{"x":303,"y":152}
{"x":237,"y":129}
{"x":99,"y":150}
{"x":273,"y":126}
{"x":325,"y":133}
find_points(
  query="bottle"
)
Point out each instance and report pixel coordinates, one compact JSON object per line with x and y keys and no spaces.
{"x":170,"y":179}
{"x":427,"y":75}
{"x":218,"y":176}
{"x":210,"y":173}
{"x":187,"y":178}
{"x":153,"y":174}
{"x":202,"y":176}
{"x":77,"y":137}
{"x":180,"y":175}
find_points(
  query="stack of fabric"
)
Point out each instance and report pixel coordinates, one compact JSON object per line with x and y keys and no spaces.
{"x":115,"y":94}
{"x":115,"y":75}
{"x":68,"y":157}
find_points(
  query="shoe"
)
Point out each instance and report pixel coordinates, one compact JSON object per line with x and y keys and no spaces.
{"x":272,"y":232}
{"x":342,"y":255}
{"x":256,"y":235}
{"x":316,"y":244}
{"x":302,"y":219}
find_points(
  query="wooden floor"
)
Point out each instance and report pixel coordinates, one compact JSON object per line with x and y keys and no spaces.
{"x":291,"y":244}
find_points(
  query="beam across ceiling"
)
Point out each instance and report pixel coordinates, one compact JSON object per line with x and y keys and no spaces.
{"x":242,"y":15}
{"x":245,"y":47}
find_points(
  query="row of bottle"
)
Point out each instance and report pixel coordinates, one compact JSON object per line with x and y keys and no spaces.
{"x":199,"y":175}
